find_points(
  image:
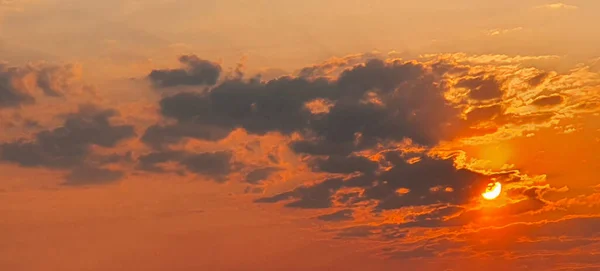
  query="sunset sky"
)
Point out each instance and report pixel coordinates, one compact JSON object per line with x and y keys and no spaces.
{"x":247,"y":135}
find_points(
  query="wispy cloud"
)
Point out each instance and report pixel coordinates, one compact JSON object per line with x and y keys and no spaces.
{"x":556,"y":6}
{"x":502,"y":31}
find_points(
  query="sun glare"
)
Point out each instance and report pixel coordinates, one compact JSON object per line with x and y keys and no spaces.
{"x":492,"y":191}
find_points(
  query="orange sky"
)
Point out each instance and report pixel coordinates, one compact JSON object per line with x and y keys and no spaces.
{"x":285,"y":135}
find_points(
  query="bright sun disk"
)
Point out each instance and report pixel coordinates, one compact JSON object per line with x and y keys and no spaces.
{"x":492,"y":191}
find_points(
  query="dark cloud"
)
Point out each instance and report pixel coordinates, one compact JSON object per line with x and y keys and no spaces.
{"x":260,"y":175}
{"x":69,"y":146}
{"x":12,"y":95}
{"x":482,"y":87}
{"x":253,"y":190}
{"x":548,"y":100}
{"x":53,"y":80}
{"x":277,"y":105}
{"x":160,"y":136}
{"x":373,"y":102}
{"x":322,"y":148}
{"x":342,"y":215}
{"x":152,"y":161}
{"x":312,"y":197}
{"x":17,"y":120}
{"x":334,"y":66}
{"x":345,"y":164}
{"x":87,"y":175}
{"x":195,"y":72}
{"x":534,"y":118}
{"x":484,"y":113}
{"x":29,"y":123}
{"x":215,"y":165}
{"x":538,"y":79}
{"x":428,"y":181}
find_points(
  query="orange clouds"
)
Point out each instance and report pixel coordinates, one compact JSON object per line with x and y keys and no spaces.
{"x":372,"y":148}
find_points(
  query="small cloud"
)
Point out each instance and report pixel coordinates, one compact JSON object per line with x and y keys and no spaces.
{"x":195,"y":72}
{"x":548,"y":101}
{"x":502,"y":31}
{"x":557,"y":6}
{"x":342,"y":215}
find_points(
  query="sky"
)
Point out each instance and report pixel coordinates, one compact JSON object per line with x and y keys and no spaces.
{"x":243,"y":135}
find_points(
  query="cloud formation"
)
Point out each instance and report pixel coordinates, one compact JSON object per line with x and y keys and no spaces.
{"x":377,"y":103}
{"x":195,"y":71}
{"x":18,"y":85}
{"x":371,"y":148}
{"x":70,"y":146}
{"x":367,"y":109}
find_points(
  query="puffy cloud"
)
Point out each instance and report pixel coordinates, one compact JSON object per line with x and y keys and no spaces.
{"x":55,"y":80}
{"x":18,"y":84}
{"x":70,"y":146}
{"x":12,"y":95}
{"x":370,"y":103}
{"x":195,"y":72}
{"x":334,"y":112}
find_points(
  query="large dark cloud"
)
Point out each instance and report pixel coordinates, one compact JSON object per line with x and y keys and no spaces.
{"x":69,"y":146}
{"x":195,"y":72}
{"x":372,"y":103}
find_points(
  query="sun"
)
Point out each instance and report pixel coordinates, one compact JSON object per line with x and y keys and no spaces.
{"x":492,"y":191}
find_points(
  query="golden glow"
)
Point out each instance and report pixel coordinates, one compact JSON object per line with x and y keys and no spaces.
{"x":496,"y":155}
{"x":492,"y":191}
